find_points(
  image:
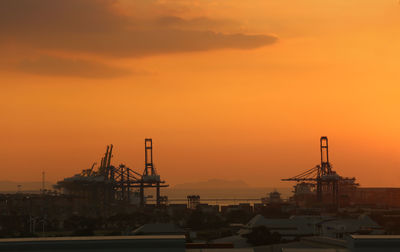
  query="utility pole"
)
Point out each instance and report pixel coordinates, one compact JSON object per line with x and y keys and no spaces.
{"x":43,"y":182}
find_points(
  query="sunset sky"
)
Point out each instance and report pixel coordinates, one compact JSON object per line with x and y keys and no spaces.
{"x":227,"y":89}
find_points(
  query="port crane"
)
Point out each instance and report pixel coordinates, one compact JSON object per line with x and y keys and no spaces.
{"x":323,"y":177}
{"x":116,"y":182}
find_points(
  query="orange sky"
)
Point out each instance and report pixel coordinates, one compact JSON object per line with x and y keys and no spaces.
{"x":226,"y":89}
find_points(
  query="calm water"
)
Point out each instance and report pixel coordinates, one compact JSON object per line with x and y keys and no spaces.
{"x":211,"y":196}
{"x":220,"y":196}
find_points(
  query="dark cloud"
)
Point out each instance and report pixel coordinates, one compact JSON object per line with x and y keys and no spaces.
{"x":94,"y":26}
{"x":98,"y":27}
{"x":150,"y":42}
{"x":53,"y":66}
{"x":20,"y":17}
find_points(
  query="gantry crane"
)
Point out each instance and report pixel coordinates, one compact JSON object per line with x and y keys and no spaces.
{"x":323,"y":177}
{"x":116,"y":182}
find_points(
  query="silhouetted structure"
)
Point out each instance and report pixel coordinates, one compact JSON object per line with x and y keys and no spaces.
{"x":193,"y":201}
{"x":150,"y":178}
{"x":110,"y":185}
{"x":322,"y":178}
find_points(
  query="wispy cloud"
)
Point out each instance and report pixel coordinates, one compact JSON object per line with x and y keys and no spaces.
{"x":98,"y":27}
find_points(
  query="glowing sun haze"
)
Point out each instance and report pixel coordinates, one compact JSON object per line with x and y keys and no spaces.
{"x":226,"y":89}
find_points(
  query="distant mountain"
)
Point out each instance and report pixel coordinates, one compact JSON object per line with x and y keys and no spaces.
{"x":12,"y":186}
{"x":213,"y":184}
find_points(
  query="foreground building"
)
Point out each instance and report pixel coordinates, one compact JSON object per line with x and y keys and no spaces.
{"x":159,"y":243}
{"x":327,"y":226}
{"x":353,"y":243}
